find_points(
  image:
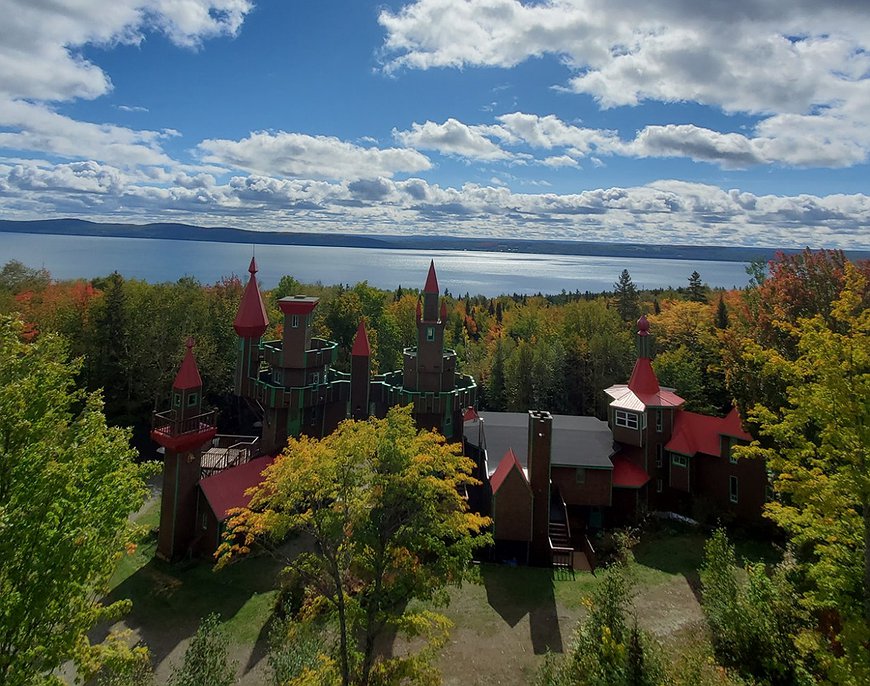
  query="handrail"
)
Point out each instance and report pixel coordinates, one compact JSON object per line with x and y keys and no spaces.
{"x":167,"y":422}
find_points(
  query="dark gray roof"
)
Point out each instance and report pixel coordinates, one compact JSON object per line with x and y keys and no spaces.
{"x":577,"y":441}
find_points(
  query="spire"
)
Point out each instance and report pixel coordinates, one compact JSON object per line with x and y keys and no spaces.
{"x":188,"y":375}
{"x":643,"y":378}
{"x":361,"y":342}
{"x":643,"y":341}
{"x":431,"y":280}
{"x":251,"y":320}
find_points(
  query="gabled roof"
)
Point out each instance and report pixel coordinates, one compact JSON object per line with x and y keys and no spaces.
{"x":251,"y":320}
{"x":508,"y":462}
{"x":361,"y":342}
{"x":188,"y":374}
{"x":627,"y":471}
{"x":699,"y":433}
{"x":226,"y":490}
{"x":431,"y":280}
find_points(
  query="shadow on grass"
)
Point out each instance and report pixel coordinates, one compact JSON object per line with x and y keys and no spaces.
{"x":514,"y":592}
{"x":170,"y":601}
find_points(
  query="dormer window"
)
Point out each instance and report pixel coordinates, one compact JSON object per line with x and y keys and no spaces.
{"x":628,"y":420}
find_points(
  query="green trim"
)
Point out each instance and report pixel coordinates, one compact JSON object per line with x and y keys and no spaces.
{"x":174,"y":507}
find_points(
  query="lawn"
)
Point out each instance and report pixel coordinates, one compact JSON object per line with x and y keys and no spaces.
{"x":503,"y":625}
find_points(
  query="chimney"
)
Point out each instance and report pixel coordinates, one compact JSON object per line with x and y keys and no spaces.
{"x":540,"y":444}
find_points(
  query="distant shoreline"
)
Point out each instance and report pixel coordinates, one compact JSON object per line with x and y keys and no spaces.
{"x":187,"y":232}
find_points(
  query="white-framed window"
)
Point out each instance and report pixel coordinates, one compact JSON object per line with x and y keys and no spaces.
{"x":278,"y":376}
{"x":626,"y":419}
{"x":580,"y":476}
{"x":430,"y":333}
{"x":294,"y":321}
{"x":659,"y":486}
{"x":679,"y":460}
{"x":660,"y":455}
{"x":733,"y":491}
{"x":659,"y":421}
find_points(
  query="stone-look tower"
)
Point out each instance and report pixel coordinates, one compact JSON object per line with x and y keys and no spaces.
{"x":182,"y":431}
{"x":428,"y":373}
{"x":250,"y":325}
{"x":540,"y":443}
{"x":360,"y":374}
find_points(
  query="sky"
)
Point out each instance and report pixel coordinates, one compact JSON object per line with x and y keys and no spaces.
{"x":744,"y":122}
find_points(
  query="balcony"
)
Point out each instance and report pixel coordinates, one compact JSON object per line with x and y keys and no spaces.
{"x":177,"y":433}
{"x":322,"y":352}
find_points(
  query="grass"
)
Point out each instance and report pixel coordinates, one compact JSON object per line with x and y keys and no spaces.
{"x":503,"y":625}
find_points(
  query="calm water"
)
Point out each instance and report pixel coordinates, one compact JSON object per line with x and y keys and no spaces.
{"x":486,"y":273}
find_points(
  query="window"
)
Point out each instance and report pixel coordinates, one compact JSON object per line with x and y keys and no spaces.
{"x":581,"y":476}
{"x":660,"y":455}
{"x":732,"y":488}
{"x":658,"y":485}
{"x":659,"y":421}
{"x":430,"y":333}
{"x":278,"y":376}
{"x":626,"y":419}
{"x":731,"y":458}
{"x":315,"y":377}
{"x":679,"y":460}
{"x":176,"y":400}
{"x":191,"y":399}
{"x":294,"y":321}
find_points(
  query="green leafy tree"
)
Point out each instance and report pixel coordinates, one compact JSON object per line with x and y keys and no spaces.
{"x":753,"y":623}
{"x":205,"y":661}
{"x":626,"y":296}
{"x":382,"y":502}
{"x":67,"y":485}
{"x":816,"y":445}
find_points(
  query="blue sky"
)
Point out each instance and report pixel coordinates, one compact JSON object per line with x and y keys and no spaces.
{"x":663,"y":121}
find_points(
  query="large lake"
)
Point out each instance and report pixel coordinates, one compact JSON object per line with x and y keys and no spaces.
{"x":486,"y":273}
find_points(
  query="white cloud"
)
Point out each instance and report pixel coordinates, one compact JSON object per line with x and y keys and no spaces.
{"x":301,"y":155}
{"x":452,"y":138}
{"x":801,"y":64}
{"x":666,"y":211}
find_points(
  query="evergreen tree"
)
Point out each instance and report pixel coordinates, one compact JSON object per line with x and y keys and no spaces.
{"x":721,"y":313}
{"x":627,"y":301}
{"x":697,"y":291}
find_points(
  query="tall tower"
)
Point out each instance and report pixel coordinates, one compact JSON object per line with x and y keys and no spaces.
{"x":430,"y":371}
{"x":360,"y":374}
{"x":182,"y":431}
{"x":250,"y":325}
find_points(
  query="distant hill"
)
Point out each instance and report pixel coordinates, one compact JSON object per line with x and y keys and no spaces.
{"x":187,"y":232}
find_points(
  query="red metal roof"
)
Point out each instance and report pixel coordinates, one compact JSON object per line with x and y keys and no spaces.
{"x":361,"y":342}
{"x":643,"y":379}
{"x":470,"y":415}
{"x":188,"y":375}
{"x":627,"y":471}
{"x":508,"y":462}
{"x":251,"y":320}
{"x":298,"y":304}
{"x":226,"y":490}
{"x":431,"y":280}
{"x":700,"y":433}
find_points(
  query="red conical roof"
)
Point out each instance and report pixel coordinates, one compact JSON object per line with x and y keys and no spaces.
{"x":251,"y":320}
{"x":431,"y":280}
{"x":188,"y":375}
{"x":361,"y":342}
{"x":643,"y":379}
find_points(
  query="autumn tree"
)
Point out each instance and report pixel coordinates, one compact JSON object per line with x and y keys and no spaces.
{"x":67,"y":486}
{"x":383,"y":503}
{"x":816,"y":445}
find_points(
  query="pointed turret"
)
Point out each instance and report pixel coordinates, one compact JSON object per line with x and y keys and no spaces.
{"x":251,"y":320}
{"x":360,"y":374}
{"x":643,"y":379}
{"x":431,"y":280}
{"x":188,"y":377}
{"x":361,"y":342}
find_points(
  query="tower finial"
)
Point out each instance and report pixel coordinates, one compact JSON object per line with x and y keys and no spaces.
{"x":252,"y":268}
{"x":190,"y":343}
{"x":642,"y":326}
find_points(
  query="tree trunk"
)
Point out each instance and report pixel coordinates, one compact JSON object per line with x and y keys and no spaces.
{"x":866,"y":505}
{"x":342,"y":626}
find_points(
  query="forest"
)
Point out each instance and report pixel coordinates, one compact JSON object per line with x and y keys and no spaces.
{"x":791,"y":350}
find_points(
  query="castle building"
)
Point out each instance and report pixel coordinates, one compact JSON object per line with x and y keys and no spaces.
{"x":546,"y":480}
{"x":292,"y":386}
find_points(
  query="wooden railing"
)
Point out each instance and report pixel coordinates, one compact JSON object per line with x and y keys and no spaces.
{"x":170,"y":424}
{"x":225,"y":454}
{"x":590,"y":552}
{"x":561,"y":556}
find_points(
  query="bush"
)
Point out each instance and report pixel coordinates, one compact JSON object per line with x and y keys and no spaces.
{"x":205,"y":660}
